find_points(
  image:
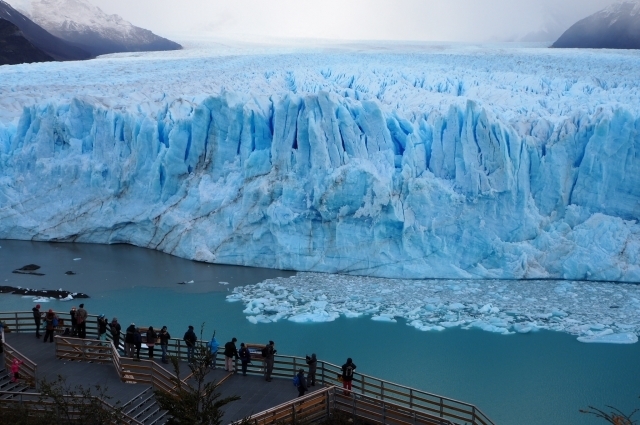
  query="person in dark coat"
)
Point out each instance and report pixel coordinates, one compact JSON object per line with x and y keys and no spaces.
{"x":151,"y":341}
{"x":74,"y":322}
{"x":311,"y":376}
{"x":347,"y":375}
{"x":37,"y":319}
{"x":190,"y":339}
{"x":269,"y":359}
{"x":137,"y":340}
{"x":103,"y":322}
{"x":230,"y":351}
{"x":129,"y":340}
{"x":245,"y":358}
{"x":81,"y":322}
{"x":164,"y":343}
{"x":302,"y":383}
{"x":50,"y":326}
{"x":115,"y":329}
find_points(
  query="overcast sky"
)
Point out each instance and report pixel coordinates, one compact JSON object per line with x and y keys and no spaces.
{"x":438,"y":20}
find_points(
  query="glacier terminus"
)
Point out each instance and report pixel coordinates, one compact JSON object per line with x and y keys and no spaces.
{"x":425,"y":161}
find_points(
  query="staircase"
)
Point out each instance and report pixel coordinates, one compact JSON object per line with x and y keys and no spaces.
{"x":8,"y":386}
{"x":145,"y":409}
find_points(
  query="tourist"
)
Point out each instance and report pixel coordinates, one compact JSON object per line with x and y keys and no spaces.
{"x":115,"y":328}
{"x":81,"y":321}
{"x":37,"y":317}
{"x":311,"y":376}
{"x":302,"y":383}
{"x":164,"y":343}
{"x":269,"y":353}
{"x":102,"y":327}
{"x":151,"y":340}
{"x":245,"y":358}
{"x":51,"y":321}
{"x":213,"y":345}
{"x":129,"y":340}
{"x":74,"y":322}
{"x":230,"y":351}
{"x":190,"y":339}
{"x":137,"y":340}
{"x":15,"y":369}
{"x":347,"y":375}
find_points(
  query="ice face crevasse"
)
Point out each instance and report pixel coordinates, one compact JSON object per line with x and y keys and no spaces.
{"x":323,"y":182}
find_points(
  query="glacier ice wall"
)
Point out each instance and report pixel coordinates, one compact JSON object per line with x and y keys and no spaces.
{"x":336,"y":179}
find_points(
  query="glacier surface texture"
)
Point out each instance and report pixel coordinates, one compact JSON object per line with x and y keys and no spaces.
{"x":418,"y":161}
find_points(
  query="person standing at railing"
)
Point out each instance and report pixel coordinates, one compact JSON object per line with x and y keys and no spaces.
{"x":74,"y":321}
{"x":347,"y":375}
{"x":230,"y":351}
{"x":213,"y":345}
{"x":302,"y":383}
{"x":37,"y":317}
{"x":102,"y":327}
{"x":164,"y":343}
{"x":269,"y":354}
{"x":129,"y":340}
{"x":51,"y":322}
{"x":190,"y":339}
{"x":115,"y":329}
{"x":311,"y":376}
{"x":151,"y":341}
{"x":81,"y":320}
{"x":245,"y":358}
{"x":137,"y":340}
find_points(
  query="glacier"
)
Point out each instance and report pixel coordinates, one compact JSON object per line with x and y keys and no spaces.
{"x":386,"y":160}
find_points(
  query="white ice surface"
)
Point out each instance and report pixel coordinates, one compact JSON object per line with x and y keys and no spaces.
{"x":593,"y":311}
{"x":388,"y":160}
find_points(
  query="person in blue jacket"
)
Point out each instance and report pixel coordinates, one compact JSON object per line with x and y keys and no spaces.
{"x":213,"y":349}
{"x":302,"y":383}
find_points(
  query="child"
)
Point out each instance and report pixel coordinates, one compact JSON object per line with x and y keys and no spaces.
{"x":15,"y":369}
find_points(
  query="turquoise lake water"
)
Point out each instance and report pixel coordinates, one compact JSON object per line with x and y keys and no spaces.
{"x":539,"y":378}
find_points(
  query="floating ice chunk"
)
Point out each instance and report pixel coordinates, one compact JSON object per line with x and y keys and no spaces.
{"x":67,"y":298}
{"x":223,"y":283}
{"x":384,"y":318}
{"x":77,"y":259}
{"x":41,"y":299}
{"x":315,"y":317}
{"x":611,"y":338}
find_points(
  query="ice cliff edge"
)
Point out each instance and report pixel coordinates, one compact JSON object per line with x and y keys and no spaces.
{"x":323,"y":182}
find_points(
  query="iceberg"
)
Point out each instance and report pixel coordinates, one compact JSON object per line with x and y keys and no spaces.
{"x":429,"y":162}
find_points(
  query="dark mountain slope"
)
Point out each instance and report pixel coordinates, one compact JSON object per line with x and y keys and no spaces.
{"x":15,"y":49}
{"x":41,"y":38}
{"x":616,"y":27}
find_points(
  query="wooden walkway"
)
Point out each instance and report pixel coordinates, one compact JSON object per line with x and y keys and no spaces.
{"x":256,"y":394}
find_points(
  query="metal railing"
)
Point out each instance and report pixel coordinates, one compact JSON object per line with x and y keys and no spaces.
{"x":327,"y":374}
{"x":36,"y":401}
{"x":28,"y":369}
{"x":331,"y":401}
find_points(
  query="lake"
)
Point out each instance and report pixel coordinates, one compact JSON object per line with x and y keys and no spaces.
{"x":521,"y":379}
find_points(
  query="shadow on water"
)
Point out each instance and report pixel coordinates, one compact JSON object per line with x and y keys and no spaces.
{"x":542,"y":378}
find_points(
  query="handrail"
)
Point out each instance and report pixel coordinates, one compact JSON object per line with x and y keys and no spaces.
{"x":28,"y":367}
{"x":327,"y":374}
{"x":319,"y":404}
{"x":9,"y":397}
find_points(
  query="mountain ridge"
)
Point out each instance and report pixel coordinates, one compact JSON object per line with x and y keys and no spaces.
{"x":15,"y":48}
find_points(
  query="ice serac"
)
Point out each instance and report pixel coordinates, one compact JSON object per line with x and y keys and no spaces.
{"x":332,"y":182}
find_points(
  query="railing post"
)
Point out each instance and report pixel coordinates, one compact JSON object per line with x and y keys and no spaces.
{"x":411,"y":398}
{"x":293,"y":413}
{"x":363,"y":392}
{"x":474,"y":415}
{"x":384,"y":413}
{"x":441,"y":408}
{"x":322,"y":374}
{"x":17,"y":322}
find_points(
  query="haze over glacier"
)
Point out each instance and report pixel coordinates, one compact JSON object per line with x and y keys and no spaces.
{"x":428,"y":161}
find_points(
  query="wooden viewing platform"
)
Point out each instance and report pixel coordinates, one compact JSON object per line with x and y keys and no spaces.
{"x":129,"y":383}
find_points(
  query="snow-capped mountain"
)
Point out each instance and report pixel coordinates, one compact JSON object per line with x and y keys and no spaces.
{"x":616,"y":27}
{"x":87,"y":26}
{"x":41,"y":38}
{"x":15,"y":48}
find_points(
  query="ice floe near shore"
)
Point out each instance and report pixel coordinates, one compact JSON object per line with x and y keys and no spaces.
{"x":593,"y":311}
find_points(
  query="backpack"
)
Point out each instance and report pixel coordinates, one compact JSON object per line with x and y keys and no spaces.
{"x":265,"y":352}
{"x":55,"y":322}
{"x":296,"y":381}
{"x":348,"y":372}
